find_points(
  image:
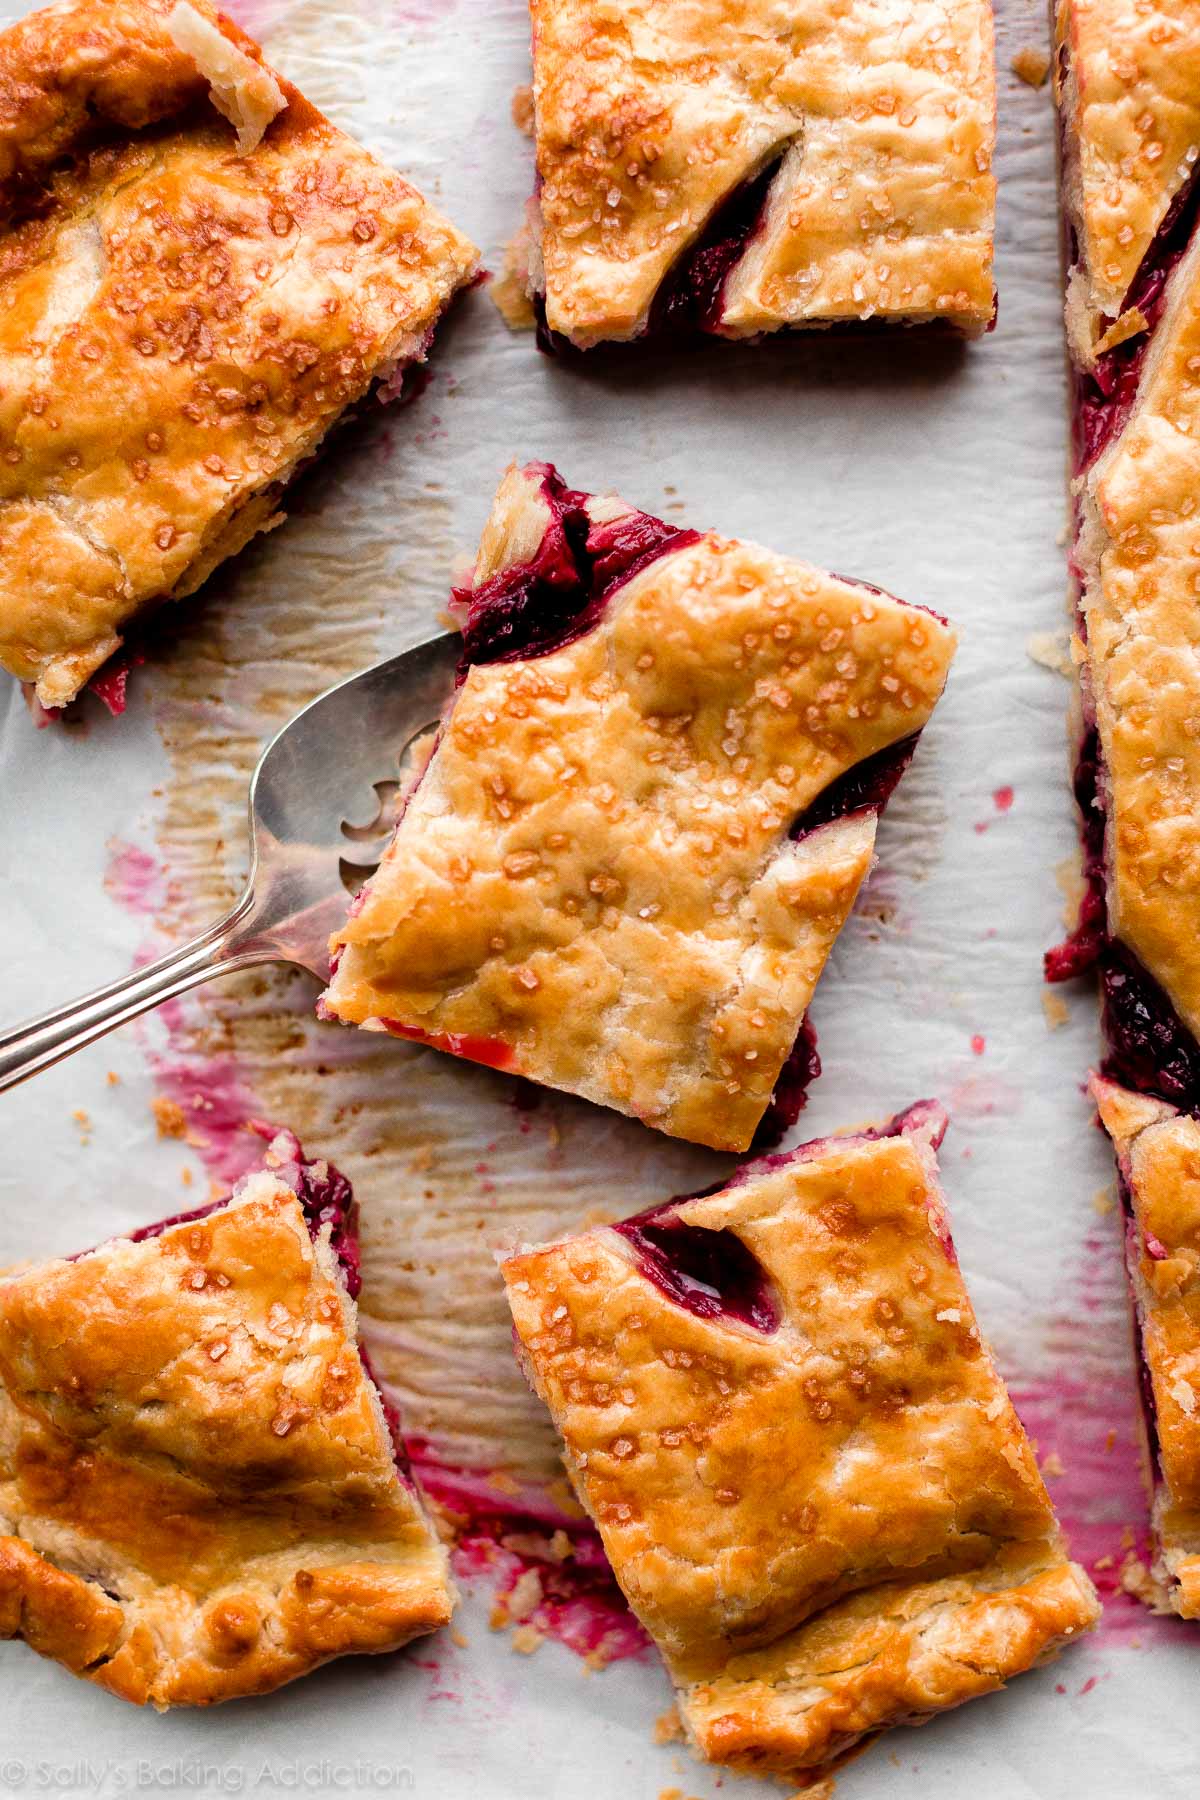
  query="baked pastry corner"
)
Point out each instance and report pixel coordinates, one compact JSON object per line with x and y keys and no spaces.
{"x":647,"y":814}
{"x":777,"y":1407}
{"x":734,"y":169}
{"x":199,"y":274}
{"x":1158,"y":1159}
{"x":201,"y":1496}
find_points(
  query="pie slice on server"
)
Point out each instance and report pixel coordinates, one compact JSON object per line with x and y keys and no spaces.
{"x":646,"y":816}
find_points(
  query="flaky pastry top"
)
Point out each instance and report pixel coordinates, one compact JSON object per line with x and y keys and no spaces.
{"x":649,"y":118}
{"x":1128,"y":82}
{"x":780,"y":1505}
{"x":180,"y":321}
{"x":1158,"y":1150}
{"x":198,"y":1490}
{"x":593,"y":884}
{"x":1140,"y":505}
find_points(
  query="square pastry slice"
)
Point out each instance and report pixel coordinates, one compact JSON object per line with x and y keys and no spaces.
{"x":738,"y":169}
{"x":198,"y":275}
{"x":808,"y":1476}
{"x":1127,"y":86}
{"x":1158,"y":1158}
{"x":647,"y":813}
{"x":202,"y":1493}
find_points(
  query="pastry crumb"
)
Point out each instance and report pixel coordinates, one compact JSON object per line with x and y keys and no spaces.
{"x":668,"y":1727}
{"x":1103,"y":1202}
{"x":459,"y":1639}
{"x":1052,"y":1465}
{"x":186,"y":1176}
{"x":113,"y":1079}
{"x":526,"y":1639}
{"x":1031,"y":65}
{"x":522,"y":109}
{"x":1068,"y":874}
{"x":243,"y":91}
{"x":1136,"y":1579}
{"x":525,"y":1595}
{"x":509,"y":292}
{"x":1051,"y":650}
{"x":169,"y":1116}
{"x":1055,"y":1009}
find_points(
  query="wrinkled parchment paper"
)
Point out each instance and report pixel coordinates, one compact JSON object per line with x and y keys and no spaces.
{"x":933,"y":469}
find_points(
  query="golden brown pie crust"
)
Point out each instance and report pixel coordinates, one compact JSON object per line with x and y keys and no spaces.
{"x":1128,"y":88}
{"x":648,"y":117}
{"x":180,"y":323}
{"x":1158,"y":1150}
{"x":593,"y":884}
{"x":828,"y":1528}
{"x":198,"y":1491}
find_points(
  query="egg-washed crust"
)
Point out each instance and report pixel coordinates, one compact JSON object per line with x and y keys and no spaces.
{"x":198,"y":1492}
{"x":593,"y":884}
{"x":1128,"y":89}
{"x":648,"y":117}
{"x":829,"y":1528}
{"x":180,"y":323}
{"x":1158,"y":1152}
{"x":1137,"y":554}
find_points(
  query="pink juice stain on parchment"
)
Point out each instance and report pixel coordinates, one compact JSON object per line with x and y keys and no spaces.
{"x":503,"y":1531}
{"x":1087,"y":1425}
{"x":507,"y":1533}
{"x":134,"y":878}
{"x":208,"y":1090}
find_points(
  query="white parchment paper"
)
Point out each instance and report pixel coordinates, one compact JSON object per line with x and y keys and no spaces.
{"x":934,"y":470}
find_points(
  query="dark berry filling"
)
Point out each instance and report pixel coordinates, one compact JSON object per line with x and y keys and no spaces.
{"x":1082,"y":948}
{"x":713,"y":1273}
{"x":867,"y":787}
{"x":690,"y":296}
{"x":709,"y":1273}
{"x":1104,"y":395}
{"x":1150,"y":1049}
{"x":790,"y":1096}
{"x":560,"y":594}
{"x":1133,"y":1247}
{"x":1149,"y":1046}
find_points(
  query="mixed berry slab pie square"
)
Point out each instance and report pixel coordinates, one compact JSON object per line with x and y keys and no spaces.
{"x":739,"y":169}
{"x":199,"y":274}
{"x":202,"y":1493}
{"x":776,"y":1405}
{"x":1158,"y":1158}
{"x":647,"y":814}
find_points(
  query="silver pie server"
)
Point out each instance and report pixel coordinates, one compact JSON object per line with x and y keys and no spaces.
{"x":342,"y":750}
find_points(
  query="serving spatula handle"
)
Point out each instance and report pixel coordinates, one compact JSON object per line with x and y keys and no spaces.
{"x":27,"y":1049}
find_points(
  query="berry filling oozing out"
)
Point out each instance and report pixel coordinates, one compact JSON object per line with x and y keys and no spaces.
{"x":712,"y":1273}
{"x":1149,"y":1048}
{"x":709,"y":1273}
{"x":557,"y":596}
{"x":690,"y":298}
